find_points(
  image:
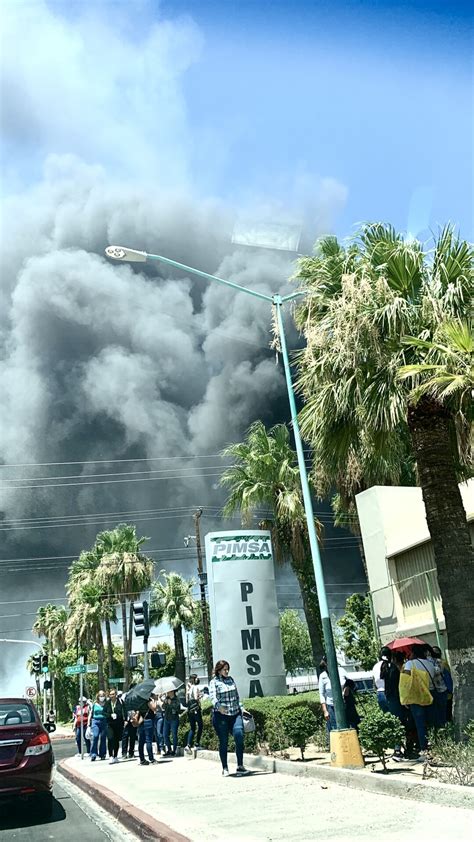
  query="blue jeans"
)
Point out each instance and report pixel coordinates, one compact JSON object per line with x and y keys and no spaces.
{"x":171,"y":726}
{"x":396,"y":709}
{"x":99,"y":738}
{"x":87,"y":743}
{"x":159,"y":722}
{"x":195,"y":722}
{"x":423,"y":716}
{"x":224,"y":726}
{"x":331,"y":722}
{"x":382,"y":700}
{"x":145,"y":735}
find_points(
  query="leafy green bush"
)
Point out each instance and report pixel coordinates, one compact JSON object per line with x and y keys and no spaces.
{"x":379,"y":731}
{"x":267,"y":713}
{"x":299,"y":724}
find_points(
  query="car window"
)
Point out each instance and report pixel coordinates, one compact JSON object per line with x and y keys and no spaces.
{"x":15,"y":714}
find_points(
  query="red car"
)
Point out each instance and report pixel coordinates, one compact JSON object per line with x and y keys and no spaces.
{"x":26,"y":757}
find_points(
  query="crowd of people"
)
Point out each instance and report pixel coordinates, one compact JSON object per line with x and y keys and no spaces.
{"x":418,"y":710}
{"x":107,"y":725}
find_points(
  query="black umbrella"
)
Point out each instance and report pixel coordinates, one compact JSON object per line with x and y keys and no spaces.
{"x":138,"y":696}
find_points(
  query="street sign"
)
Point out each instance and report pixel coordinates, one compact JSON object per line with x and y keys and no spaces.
{"x":116,"y":680}
{"x":76,"y":669}
{"x":30,"y":692}
{"x":92,"y":668}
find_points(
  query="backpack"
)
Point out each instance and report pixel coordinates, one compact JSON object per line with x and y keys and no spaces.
{"x":193,"y":706}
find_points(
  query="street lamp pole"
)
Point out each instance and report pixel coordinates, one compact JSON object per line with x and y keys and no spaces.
{"x":123,"y":254}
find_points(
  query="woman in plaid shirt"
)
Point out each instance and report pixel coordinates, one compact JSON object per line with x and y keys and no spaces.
{"x":227,"y":716}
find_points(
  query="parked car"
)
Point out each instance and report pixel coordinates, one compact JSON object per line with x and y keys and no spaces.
{"x":26,"y":757}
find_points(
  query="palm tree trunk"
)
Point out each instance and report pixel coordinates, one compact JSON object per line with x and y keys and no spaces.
{"x":126,"y":650}
{"x":100,"y":657}
{"x":431,"y":431}
{"x":110,"y":650}
{"x":304,"y":572}
{"x":179,"y":652}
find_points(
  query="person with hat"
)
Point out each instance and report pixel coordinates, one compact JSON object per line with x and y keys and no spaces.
{"x":81,"y":713}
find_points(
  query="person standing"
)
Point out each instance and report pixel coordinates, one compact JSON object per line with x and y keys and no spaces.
{"x":193,"y":699}
{"x":423,"y":715}
{"x":159,"y":725}
{"x":145,"y":733}
{"x":114,"y":713}
{"x":349,"y":696}
{"x":98,"y":723}
{"x":440,"y":680}
{"x":81,"y":714}
{"x":390,"y":674}
{"x":129,"y":737}
{"x":172,"y":708}
{"x":379,"y":682}
{"x":227,"y":716}
{"x":325,"y":694}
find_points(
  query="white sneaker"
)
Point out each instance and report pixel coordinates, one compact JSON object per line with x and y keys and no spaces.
{"x":225,"y":773}
{"x":188,"y":750}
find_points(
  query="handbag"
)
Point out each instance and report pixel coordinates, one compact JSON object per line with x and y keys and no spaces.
{"x":414,"y":688}
{"x":249,"y":722}
{"x":88,"y":733}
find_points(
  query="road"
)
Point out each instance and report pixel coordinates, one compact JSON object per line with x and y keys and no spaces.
{"x":75,"y":815}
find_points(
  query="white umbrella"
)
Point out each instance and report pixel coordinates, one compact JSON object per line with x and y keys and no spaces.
{"x":165,"y":685}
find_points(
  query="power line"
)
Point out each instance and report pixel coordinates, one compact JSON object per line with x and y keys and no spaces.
{"x":116,"y":474}
{"x":113,"y":461}
{"x":115,"y":481}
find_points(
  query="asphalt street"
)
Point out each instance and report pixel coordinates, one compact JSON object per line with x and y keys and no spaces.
{"x":75,"y":816}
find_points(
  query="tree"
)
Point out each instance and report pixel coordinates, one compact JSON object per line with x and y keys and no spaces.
{"x":299,"y":724}
{"x":370,"y":310}
{"x":266,"y":476}
{"x":82,"y":573}
{"x":356,"y":631}
{"x":379,"y":731}
{"x":124,"y":572}
{"x":172,"y":602}
{"x":297,"y":652}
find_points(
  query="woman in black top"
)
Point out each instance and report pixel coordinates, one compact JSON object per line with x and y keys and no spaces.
{"x":115,"y":714}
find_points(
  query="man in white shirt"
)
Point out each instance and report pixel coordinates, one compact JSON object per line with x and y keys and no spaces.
{"x":385,"y":655}
{"x":326,"y":696}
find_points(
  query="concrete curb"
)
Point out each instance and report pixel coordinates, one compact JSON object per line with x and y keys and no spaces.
{"x":137,"y":821}
{"x":447,"y":795}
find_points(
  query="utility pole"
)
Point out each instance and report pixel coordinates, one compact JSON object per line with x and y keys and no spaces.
{"x":202,"y":587}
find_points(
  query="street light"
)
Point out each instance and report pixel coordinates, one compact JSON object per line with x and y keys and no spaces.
{"x":120,"y":253}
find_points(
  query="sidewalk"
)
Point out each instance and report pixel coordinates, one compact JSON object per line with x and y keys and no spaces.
{"x":187,"y":799}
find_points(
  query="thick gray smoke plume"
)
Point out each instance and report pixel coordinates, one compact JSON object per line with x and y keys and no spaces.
{"x":101,"y":361}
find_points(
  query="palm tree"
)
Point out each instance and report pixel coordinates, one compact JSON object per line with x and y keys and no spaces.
{"x":85,"y":622}
{"x":266,"y":475}
{"x":83,"y":571}
{"x":372,"y":309}
{"x":124,"y":572}
{"x":172,"y":603}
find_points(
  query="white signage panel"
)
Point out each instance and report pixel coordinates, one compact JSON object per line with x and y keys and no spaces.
{"x":244,"y":611}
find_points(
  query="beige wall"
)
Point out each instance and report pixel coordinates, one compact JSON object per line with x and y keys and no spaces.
{"x":398,"y":554}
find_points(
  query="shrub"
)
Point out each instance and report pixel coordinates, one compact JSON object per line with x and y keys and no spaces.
{"x":299,"y":724}
{"x":379,"y":731}
{"x":267,"y":713}
{"x":452,"y":762}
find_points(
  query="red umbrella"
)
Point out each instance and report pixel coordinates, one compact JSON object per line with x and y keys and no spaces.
{"x":404,"y":643}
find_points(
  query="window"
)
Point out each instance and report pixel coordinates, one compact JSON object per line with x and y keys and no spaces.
{"x":11,"y":713}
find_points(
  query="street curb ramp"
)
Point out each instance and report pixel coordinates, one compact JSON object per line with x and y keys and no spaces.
{"x":134,"y":819}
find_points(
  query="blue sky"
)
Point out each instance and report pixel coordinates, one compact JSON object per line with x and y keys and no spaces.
{"x":278,"y":101}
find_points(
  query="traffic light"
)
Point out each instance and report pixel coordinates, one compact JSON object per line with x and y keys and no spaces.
{"x":36,"y":663}
{"x":158,"y":659}
{"x":140,"y":620}
{"x":133,"y":662}
{"x":44,"y":664}
{"x":47,"y":685}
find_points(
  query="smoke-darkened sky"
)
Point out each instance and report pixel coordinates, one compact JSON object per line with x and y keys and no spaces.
{"x":151,"y":125}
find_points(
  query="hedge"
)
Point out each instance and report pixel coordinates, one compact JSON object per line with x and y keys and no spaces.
{"x":265,"y":711}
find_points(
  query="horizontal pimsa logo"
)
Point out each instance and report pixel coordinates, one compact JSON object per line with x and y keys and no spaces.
{"x":247,"y":547}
